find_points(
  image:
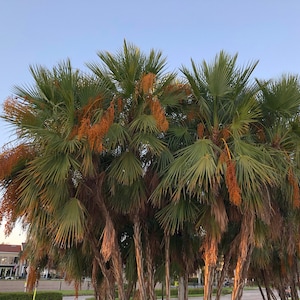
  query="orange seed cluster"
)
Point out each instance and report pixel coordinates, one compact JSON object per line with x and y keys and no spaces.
{"x":232,"y":184}
{"x":159,"y":115}
{"x":96,"y":132}
{"x":147,"y":83}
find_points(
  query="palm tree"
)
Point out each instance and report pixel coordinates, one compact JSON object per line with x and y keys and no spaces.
{"x":280,"y":101}
{"x":142,"y":94}
{"x":55,"y":187}
{"x":222,"y":154}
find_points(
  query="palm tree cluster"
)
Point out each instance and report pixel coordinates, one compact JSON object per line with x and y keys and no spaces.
{"x":132,"y":175}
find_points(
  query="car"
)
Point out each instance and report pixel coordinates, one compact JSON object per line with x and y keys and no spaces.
{"x":9,"y":278}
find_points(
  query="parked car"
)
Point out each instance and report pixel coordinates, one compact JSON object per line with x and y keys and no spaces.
{"x":9,"y":278}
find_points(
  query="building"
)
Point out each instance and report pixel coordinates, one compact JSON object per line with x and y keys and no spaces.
{"x":10,"y":264}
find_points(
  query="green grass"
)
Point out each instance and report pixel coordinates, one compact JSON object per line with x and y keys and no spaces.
{"x":193,"y":292}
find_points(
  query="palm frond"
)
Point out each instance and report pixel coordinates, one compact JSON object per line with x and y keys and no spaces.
{"x":126,"y":169}
{"x":69,"y":226}
{"x":174,"y":216}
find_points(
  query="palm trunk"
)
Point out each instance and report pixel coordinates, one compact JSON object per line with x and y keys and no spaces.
{"x":210,"y":258}
{"x":167,"y":265}
{"x":245,"y":251}
{"x":107,"y":272}
{"x":139,"y":257}
{"x":118,"y":270}
{"x":294,"y":291}
{"x":129,"y":290}
{"x":227,"y":259}
{"x":95,"y":284}
{"x":183,"y":287}
{"x":110,"y":246}
{"x":185,"y":276}
{"x":261,"y":290}
{"x":150,"y":268}
{"x":270,"y":294}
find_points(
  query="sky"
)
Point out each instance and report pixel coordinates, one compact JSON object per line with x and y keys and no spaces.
{"x":41,"y":32}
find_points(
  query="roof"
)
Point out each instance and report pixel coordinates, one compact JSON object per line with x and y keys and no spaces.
{"x":10,"y":248}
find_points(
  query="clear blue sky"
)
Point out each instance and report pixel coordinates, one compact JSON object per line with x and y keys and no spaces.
{"x":46,"y":32}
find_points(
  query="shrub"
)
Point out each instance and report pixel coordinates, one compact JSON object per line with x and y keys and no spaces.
{"x":28,"y":296}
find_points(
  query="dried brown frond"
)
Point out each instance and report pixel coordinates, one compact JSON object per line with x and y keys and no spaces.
{"x":31,"y":279}
{"x":108,"y":241}
{"x":218,"y":210}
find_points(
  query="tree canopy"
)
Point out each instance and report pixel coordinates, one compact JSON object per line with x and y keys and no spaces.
{"x":133,"y":175}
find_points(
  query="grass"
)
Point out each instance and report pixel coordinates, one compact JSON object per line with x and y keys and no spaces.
{"x":193,"y":292}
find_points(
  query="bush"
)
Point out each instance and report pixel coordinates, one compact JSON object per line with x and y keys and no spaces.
{"x":29,"y":296}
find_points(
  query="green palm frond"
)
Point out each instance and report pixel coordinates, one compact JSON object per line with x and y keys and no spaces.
{"x":218,"y":75}
{"x":69,"y":226}
{"x":125,"y":199}
{"x":174,"y":216}
{"x":126,"y":169}
{"x":52,"y":168}
{"x":143,"y":123}
{"x":117,"y":136}
{"x":179,"y":137}
{"x":253,"y":173}
{"x":282,"y":97}
{"x":246,"y":113}
{"x":149,"y":144}
{"x":193,"y":168}
{"x":219,"y":87}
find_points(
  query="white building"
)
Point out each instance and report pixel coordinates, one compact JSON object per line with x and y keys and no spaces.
{"x":10,"y":264}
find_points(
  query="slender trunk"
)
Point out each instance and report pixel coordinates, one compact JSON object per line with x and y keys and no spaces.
{"x":186,"y":285}
{"x":294,"y":291}
{"x":210,"y":259}
{"x":94,"y":279}
{"x":183,"y":287}
{"x":118,"y":270}
{"x":167,"y":265}
{"x":139,"y":257}
{"x":110,"y":247}
{"x":227,"y":259}
{"x":185,"y":277}
{"x":150,"y":268}
{"x":266,"y":282}
{"x":107,"y":272}
{"x":129,"y":289}
{"x":261,"y":291}
{"x":245,"y":251}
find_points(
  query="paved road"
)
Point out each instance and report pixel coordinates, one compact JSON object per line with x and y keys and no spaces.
{"x":247,"y":295}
